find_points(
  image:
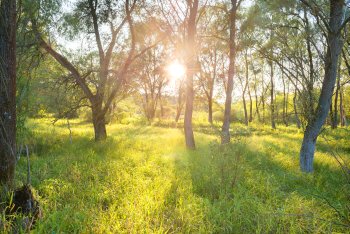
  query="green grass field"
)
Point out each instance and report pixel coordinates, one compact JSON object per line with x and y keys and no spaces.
{"x":143,"y":180}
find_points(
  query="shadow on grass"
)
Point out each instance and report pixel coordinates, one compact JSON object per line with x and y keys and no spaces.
{"x":238,"y":175}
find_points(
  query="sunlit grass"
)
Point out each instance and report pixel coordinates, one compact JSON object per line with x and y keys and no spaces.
{"x":143,"y":180}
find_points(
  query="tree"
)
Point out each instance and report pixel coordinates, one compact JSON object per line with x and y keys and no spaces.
{"x":7,"y":92}
{"x":190,"y":45}
{"x":100,"y":84}
{"x":333,"y":28}
{"x":210,"y":60}
{"x":151,"y":80}
{"x":225,"y":130}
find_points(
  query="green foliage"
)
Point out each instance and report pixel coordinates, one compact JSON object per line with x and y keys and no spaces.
{"x":142,"y":179}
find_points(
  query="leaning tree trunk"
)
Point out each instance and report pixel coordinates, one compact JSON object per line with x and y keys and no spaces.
{"x":7,"y":92}
{"x":178,"y":113}
{"x":225,"y":130}
{"x":334,"y":47}
{"x":191,"y":64}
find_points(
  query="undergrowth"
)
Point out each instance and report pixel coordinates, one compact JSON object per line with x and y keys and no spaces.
{"x":143,"y":180}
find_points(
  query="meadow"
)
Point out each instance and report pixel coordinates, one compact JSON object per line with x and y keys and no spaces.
{"x":143,"y":180}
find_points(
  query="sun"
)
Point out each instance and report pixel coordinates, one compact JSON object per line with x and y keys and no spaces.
{"x":176,"y":70}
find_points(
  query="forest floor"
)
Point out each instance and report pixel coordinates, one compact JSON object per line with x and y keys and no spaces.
{"x":143,"y":180}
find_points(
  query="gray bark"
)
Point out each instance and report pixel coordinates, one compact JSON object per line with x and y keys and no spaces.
{"x":191,"y":64}
{"x":334,"y":48}
{"x":225,"y":130}
{"x":272,"y":103}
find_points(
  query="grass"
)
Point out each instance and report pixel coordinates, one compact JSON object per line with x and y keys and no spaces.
{"x":143,"y":180}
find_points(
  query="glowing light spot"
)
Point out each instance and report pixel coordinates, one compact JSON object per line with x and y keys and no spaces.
{"x":176,"y":70}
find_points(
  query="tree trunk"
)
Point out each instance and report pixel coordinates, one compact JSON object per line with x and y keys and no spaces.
{"x":284,"y":116}
{"x":250,"y":118}
{"x":7,"y":92}
{"x":191,"y":65}
{"x":225,"y":130}
{"x":256,"y":100}
{"x":178,"y":113}
{"x":341,"y":107}
{"x":330,"y":120}
{"x":287,"y":103}
{"x":334,"y":48}
{"x":297,"y":120}
{"x":272,"y":105}
{"x":99,"y":122}
{"x":335,"y":117}
{"x":210,"y":110}
{"x":250,"y":106}
{"x":161,"y":108}
{"x":263,"y":106}
{"x":245,"y":110}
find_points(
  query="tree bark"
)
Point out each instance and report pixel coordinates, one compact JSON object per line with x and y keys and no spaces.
{"x":191,"y":65}
{"x":272,"y":104}
{"x":225,"y":130}
{"x":297,"y":120}
{"x":245,"y":109}
{"x":335,"y":114}
{"x":178,"y":113}
{"x":341,"y":107}
{"x":99,"y":122}
{"x":7,"y":93}
{"x":285,"y":102}
{"x":210,"y":110}
{"x":334,"y":48}
{"x":256,"y":100}
{"x":250,"y":105}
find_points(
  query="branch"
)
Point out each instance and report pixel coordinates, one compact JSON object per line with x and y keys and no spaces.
{"x":64,"y":62}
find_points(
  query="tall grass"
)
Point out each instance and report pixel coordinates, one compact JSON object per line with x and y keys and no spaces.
{"x":143,"y":180}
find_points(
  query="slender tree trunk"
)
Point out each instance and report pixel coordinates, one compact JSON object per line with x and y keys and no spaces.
{"x":334,"y":48}
{"x":335,"y":118}
{"x":341,"y":107}
{"x":284,"y":116}
{"x":250,"y":106}
{"x":297,"y":120}
{"x":272,"y":106}
{"x":287,"y":103}
{"x":330,"y":119}
{"x":245,"y":109}
{"x":244,"y":86}
{"x":191,"y":64}
{"x":250,"y":118}
{"x":263,"y":108}
{"x":256,"y":101}
{"x":225,"y":130}
{"x":178,"y":113}
{"x":7,"y":92}
{"x":210,"y":110}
